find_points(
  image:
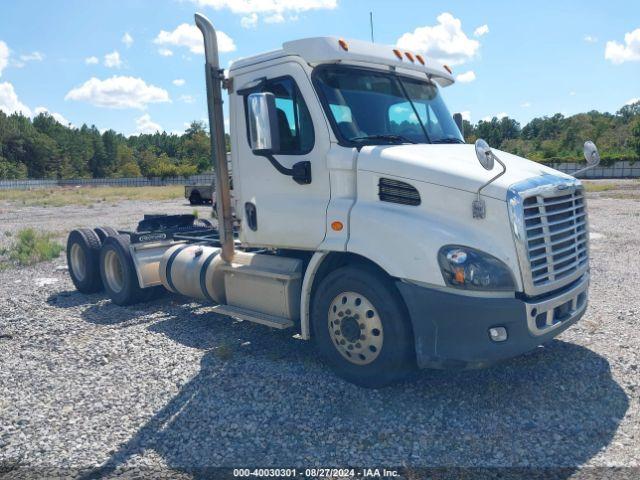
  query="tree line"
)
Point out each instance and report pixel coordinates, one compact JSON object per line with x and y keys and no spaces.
{"x":560,"y":139}
{"x":43,"y":148}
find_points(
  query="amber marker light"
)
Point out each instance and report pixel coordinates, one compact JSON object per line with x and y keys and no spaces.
{"x":343,"y":45}
{"x":420,"y":58}
{"x":409,"y":55}
{"x":398,"y":53}
{"x":336,"y":226}
{"x":448,"y":69}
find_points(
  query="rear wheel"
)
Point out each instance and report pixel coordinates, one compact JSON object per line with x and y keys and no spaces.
{"x":104,"y":232}
{"x":195,"y":198}
{"x":83,"y":252}
{"x":118,"y":272}
{"x":361,"y":327}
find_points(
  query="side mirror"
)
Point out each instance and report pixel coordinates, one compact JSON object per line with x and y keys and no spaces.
{"x":264,"y":135}
{"x":484,"y":154}
{"x":457,"y":117}
{"x":591,"y":155}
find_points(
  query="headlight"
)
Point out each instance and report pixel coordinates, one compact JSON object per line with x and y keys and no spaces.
{"x":471,"y":269}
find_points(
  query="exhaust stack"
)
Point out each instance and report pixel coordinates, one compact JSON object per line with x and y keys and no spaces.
{"x":214,"y":77}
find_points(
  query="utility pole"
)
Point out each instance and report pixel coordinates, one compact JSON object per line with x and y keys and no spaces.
{"x":371,"y":24}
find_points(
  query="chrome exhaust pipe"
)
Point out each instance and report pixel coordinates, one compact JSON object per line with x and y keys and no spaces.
{"x":214,"y":77}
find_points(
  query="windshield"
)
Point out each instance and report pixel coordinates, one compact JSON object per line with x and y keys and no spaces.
{"x":378,"y":107}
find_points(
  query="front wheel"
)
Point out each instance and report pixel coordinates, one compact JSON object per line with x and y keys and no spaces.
{"x":361,"y":327}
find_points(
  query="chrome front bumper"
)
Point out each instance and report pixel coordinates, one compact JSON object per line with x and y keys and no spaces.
{"x":546,"y":315}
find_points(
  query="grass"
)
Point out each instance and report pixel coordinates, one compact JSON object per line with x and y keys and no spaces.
{"x":598,"y":187}
{"x":30,"y":247}
{"x":62,"y":196}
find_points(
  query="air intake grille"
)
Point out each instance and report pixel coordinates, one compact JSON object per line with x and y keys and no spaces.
{"x":556,"y":236}
{"x":394,"y":191}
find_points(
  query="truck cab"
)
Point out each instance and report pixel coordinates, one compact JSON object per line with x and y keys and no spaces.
{"x":367,"y":224}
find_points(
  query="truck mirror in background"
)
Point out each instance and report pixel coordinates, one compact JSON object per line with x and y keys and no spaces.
{"x":263,"y":123}
{"x":591,"y":155}
{"x":457,"y":117}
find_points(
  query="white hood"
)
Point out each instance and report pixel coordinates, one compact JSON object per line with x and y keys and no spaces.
{"x":450,"y":165}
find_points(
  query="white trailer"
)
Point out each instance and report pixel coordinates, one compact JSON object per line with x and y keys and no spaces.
{"x":363,"y":219}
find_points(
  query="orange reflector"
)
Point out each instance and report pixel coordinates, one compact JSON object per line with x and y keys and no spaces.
{"x":409,"y":56}
{"x":337,"y":226}
{"x":343,"y":44}
{"x":398,"y":53}
{"x":459,"y":275}
{"x":448,"y":69}
{"x":420,"y":58}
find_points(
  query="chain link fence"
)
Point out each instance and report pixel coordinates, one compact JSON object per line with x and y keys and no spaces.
{"x":202,"y":179}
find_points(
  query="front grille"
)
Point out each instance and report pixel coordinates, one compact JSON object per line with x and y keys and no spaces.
{"x":556,"y":236}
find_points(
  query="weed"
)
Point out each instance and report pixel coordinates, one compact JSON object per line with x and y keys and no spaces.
{"x":195,"y":212}
{"x":32,"y":247}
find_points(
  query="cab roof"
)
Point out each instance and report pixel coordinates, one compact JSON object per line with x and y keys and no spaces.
{"x":317,"y":50}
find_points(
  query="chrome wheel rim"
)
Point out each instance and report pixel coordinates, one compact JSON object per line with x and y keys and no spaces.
{"x":113,"y":271}
{"x":355,"y":328}
{"x":78,"y":262}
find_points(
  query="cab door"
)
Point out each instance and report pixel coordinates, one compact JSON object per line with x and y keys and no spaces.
{"x":274,"y":209}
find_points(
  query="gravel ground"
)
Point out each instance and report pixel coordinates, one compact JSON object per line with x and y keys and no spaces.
{"x":171,"y":388}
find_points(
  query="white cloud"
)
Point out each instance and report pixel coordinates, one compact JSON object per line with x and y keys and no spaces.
{"x":629,"y":52}
{"x":144,"y":124}
{"x":499,"y":116}
{"x":250,"y":21}
{"x":525,"y":104}
{"x":275,"y":18}
{"x":481,"y":30}
{"x":165,"y":52}
{"x":179,"y":82}
{"x":189,"y":36}
{"x":466,"y":115}
{"x":118,"y":92}
{"x":91,"y":60}
{"x":9,"y":102}
{"x":274,"y":10}
{"x":466,"y":77}
{"x":572,"y":93}
{"x":590,"y":39}
{"x":633,"y":100}
{"x":127,"y":39}
{"x":57,"y":116}
{"x":32,"y":57}
{"x":187,"y":98}
{"x":4,"y":56}
{"x":444,"y":42}
{"x":112,"y":60}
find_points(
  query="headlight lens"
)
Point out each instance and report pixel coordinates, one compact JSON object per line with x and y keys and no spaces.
{"x":471,"y":269}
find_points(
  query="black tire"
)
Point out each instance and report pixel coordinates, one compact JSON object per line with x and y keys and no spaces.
{"x":83,"y":245}
{"x":118,"y":272}
{"x":395,"y":358}
{"x":195,"y":198}
{"x":104,"y":232}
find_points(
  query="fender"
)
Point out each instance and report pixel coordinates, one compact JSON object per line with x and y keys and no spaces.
{"x":305,"y":293}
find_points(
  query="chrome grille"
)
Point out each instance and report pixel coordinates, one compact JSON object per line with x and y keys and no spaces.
{"x":556,"y":235}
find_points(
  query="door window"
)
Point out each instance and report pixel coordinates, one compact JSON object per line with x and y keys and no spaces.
{"x":294,"y":120}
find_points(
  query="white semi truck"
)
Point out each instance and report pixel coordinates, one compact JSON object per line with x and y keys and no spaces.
{"x":363,"y":220}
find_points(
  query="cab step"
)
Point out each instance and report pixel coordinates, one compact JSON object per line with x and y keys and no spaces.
{"x":253,"y":316}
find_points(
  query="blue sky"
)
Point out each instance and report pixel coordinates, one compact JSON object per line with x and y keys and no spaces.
{"x":134,"y":67}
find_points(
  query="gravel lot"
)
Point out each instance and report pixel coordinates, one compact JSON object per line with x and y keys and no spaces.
{"x":169,"y":387}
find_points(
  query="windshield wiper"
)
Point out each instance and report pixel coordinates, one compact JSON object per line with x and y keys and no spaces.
{"x":448,"y":140}
{"x":390,"y":137}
